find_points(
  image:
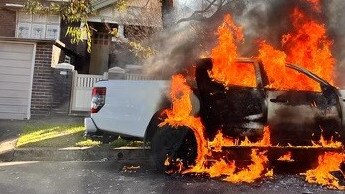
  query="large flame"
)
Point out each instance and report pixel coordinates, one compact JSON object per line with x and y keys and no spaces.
{"x":327,"y":163}
{"x":307,"y":45}
{"x":180,"y":114}
{"x":224,"y":56}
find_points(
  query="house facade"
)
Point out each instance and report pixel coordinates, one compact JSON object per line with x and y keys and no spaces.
{"x":31,"y":45}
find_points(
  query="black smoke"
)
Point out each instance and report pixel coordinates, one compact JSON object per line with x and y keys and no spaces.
{"x":181,"y":44}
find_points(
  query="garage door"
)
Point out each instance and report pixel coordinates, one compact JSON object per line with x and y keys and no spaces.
{"x":16,"y":72}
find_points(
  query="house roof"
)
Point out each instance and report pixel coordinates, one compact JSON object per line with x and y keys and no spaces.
{"x":97,"y":4}
{"x":139,"y":12}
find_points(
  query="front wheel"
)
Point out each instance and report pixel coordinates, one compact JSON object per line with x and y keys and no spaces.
{"x":171,"y":144}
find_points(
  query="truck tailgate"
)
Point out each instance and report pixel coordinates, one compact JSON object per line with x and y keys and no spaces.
{"x":129,"y":105}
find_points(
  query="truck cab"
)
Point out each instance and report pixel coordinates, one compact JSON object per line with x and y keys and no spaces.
{"x":295,"y":117}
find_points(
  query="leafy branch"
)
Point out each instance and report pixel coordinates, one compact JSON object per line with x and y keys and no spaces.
{"x":77,"y":12}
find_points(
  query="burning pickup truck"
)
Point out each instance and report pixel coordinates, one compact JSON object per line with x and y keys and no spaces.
{"x":233,"y":117}
{"x":210,"y":125}
{"x":202,"y":117}
{"x":294,"y":117}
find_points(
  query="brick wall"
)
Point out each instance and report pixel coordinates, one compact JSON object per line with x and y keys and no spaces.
{"x":7,"y":23}
{"x":51,"y":88}
{"x":43,"y":80}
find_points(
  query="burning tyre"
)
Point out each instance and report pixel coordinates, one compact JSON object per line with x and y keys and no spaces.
{"x":171,"y":146}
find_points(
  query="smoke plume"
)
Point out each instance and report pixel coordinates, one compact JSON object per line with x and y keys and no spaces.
{"x":267,"y":20}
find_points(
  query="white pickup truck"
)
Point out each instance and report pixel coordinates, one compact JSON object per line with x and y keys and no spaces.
{"x":295,"y":117}
{"x":124,"y":107}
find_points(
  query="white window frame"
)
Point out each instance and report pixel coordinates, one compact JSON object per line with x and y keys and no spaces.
{"x":45,"y":22}
{"x":24,"y":26}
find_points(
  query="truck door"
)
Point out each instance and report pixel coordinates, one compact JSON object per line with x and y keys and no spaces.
{"x":237,"y":109}
{"x":296,"y":117}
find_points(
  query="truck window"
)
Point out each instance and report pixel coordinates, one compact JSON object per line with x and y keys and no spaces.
{"x":243,"y":74}
{"x":289,"y":79}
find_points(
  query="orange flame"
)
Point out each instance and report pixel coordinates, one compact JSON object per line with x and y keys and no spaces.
{"x":257,"y":169}
{"x":279,"y":76}
{"x":308,"y":46}
{"x":180,"y":114}
{"x":254,"y":170}
{"x":224,"y":56}
{"x":327,"y":143}
{"x":219,"y":141}
{"x":286,"y":157}
{"x":327,"y":163}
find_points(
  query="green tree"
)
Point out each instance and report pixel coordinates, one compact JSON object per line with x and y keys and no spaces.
{"x":77,"y":12}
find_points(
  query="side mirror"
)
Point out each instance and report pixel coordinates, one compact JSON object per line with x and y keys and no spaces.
{"x":329,"y":93}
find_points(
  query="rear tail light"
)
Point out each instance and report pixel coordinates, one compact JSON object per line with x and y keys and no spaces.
{"x":97,"y":98}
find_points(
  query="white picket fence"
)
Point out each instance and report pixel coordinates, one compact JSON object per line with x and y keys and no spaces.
{"x":129,"y":76}
{"x":81,"y":90}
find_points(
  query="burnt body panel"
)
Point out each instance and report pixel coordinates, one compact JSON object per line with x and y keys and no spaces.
{"x":237,"y":111}
{"x":297,"y":117}
{"x":294,"y":117}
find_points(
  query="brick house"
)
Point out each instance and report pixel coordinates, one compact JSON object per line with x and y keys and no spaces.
{"x":31,"y":45}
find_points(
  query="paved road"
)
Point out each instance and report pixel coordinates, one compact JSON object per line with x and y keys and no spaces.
{"x":109,"y":177}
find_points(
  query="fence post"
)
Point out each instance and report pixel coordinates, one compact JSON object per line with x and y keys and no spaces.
{"x":74,"y":80}
{"x":116,"y":73}
{"x":105,"y":76}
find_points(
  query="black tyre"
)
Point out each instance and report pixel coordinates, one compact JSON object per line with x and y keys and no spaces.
{"x":174,"y":143}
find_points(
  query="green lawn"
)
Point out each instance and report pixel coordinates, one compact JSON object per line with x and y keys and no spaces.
{"x":62,"y":135}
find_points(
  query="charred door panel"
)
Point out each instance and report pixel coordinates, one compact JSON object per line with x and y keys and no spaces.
{"x":297,"y":117}
{"x":233,"y":110}
{"x":236,"y":110}
{"x":243,"y":112}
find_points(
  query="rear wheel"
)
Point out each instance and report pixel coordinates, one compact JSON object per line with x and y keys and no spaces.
{"x":174,"y":144}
